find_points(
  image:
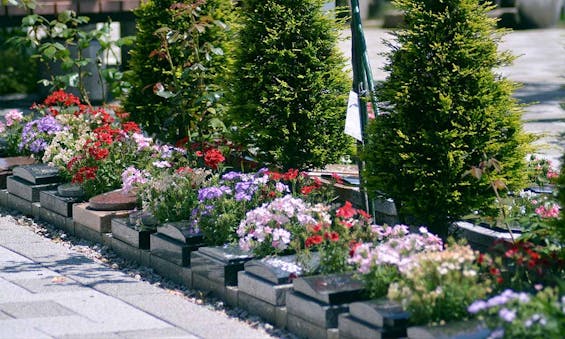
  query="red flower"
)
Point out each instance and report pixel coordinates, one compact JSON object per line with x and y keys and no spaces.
{"x":291,"y":174}
{"x":334,"y":237}
{"x":494,"y":271}
{"x":276,"y":176}
{"x":199,"y":153}
{"x":62,"y":98}
{"x":337,"y":178}
{"x":314,"y":240}
{"x":184,"y":170}
{"x":213,"y":157}
{"x":307,"y":190}
{"x":85,"y":173}
{"x":364,"y":214}
{"x":317,"y":228}
{"x":182,"y":142}
{"x":131,"y":126}
{"x":346,"y":211}
{"x":353,"y":245}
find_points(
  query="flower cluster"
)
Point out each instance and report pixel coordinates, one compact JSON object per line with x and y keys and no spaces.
{"x":11,"y":131}
{"x":541,"y":172}
{"x":521,"y":315}
{"x":37,"y":134}
{"x":336,"y":241}
{"x":438,"y":286}
{"x":379,"y":262}
{"x":522,"y":264}
{"x":270,"y":228}
{"x":169,"y":196}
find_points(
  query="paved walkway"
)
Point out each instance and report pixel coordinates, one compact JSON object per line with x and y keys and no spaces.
{"x":49,"y":291}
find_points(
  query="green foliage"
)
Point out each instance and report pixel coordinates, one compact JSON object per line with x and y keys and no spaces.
{"x":445,"y":110}
{"x":178,"y":65}
{"x":290,"y":90}
{"x":19,"y":71}
{"x":61,"y":43}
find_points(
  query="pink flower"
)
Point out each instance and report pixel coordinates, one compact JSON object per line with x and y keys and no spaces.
{"x":13,"y":116}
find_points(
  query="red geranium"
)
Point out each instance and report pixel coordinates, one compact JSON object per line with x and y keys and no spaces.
{"x":213,"y":157}
{"x":61,"y":98}
{"x":346,"y":211}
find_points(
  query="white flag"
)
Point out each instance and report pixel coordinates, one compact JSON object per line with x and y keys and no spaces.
{"x":352,"y":120}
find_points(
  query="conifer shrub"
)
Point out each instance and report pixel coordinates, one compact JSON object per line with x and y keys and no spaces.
{"x":289,"y":88}
{"x":178,"y":67}
{"x":446,"y":109}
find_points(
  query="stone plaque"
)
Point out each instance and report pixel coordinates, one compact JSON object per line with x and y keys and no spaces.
{"x":113,"y":201}
{"x":181,"y":231}
{"x":332,"y":288}
{"x":380,"y":313}
{"x":279,"y":270}
{"x":171,"y":250}
{"x":229,"y":254}
{"x":70,"y":191}
{"x":10,"y":162}
{"x":37,"y":174}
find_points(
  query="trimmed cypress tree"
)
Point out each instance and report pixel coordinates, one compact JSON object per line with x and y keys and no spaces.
{"x":178,"y":67}
{"x":289,"y":87}
{"x":446,"y":110}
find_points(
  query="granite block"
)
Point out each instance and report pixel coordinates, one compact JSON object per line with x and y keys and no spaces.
{"x":170,"y":249}
{"x":37,"y":174}
{"x":380,"y":313}
{"x":204,"y":284}
{"x":179,"y":274}
{"x":53,"y":218}
{"x":263,"y":290}
{"x":350,"y":327}
{"x":313,"y":311}
{"x":130,"y":234}
{"x":332,"y":288}
{"x":306,"y":329}
{"x":26,"y":190}
{"x":88,"y":233}
{"x":126,"y":250}
{"x":19,"y":204}
{"x":51,"y":200}
{"x":219,"y":264}
{"x":35,"y":209}
{"x":275,"y":315}
{"x":3,"y":178}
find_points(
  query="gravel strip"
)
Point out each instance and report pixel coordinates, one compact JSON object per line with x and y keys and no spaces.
{"x":104,"y":255}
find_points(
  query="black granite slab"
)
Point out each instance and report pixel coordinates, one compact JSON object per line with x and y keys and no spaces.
{"x":52,"y":201}
{"x":37,"y":173}
{"x":180,"y":231}
{"x":351,"y":327}
{"x":171,"y":250}
{"x":380,"y":313}
{"x":220,"y":263}
{"x":332,"y":288}
{"x":133,"y":235}
{"x":279,"y":269}
{"x":314,"y":311}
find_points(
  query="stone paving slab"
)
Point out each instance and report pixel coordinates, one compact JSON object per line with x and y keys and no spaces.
{"x":50,"y":291}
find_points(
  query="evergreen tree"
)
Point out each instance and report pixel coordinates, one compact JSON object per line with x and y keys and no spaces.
{"x":289,"y":88}
{"x":178,"y":67}
{"x":446,"y":110}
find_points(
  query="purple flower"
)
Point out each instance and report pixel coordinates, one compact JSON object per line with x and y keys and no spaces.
{"x":49,"y":125}
{"x":507,"y":315}
{"x":477,"y":306}
{"x":245,"y":190}
{"x":37,"y":145}
{"x":213,"y":192}
{"x":231,"y":176}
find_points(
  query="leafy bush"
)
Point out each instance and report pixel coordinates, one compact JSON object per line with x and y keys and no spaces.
{"x":290,"y":89}
{"x":446,"y":109}
{"x":177,"y":68}
{"x":19,"y":71}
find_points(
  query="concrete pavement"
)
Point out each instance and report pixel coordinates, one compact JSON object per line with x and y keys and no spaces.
{"x":50,"y":291}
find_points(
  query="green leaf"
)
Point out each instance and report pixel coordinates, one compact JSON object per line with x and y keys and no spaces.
{"x":30,"y":20}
